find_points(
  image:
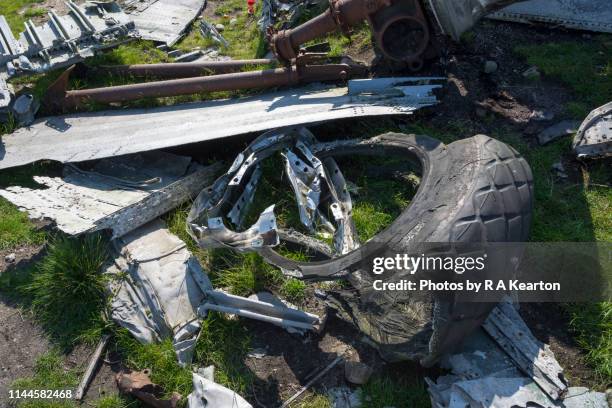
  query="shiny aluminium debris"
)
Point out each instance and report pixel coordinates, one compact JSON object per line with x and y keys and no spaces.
{"x":164,"y":21}
{"x":594,"y":137}
{"x":590,"y":15}
{"x":531,"y":356}
{"x":208,"y":30}
{"x":310,"y":178}
{"x":25,"y":108}
{"x":483,"y":375}
{"x":63,"y":40}
{"x":119,"y":194}
{"x":208,"y":394}
{"x":161,"y":291}
{"x":86,"y":136}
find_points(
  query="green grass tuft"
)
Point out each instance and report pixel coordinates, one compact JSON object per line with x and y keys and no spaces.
{"x":313,"y":401}
{"x":592,"y":326}
{"x":35,"y":12}
{"x":160,"y":358}
{"x":16,"y":229}
{"x":67,"y":290}
{"x":294,"y":290}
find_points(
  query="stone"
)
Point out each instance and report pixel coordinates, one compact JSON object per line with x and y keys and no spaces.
{"x":490,"y":67}
{"x":541,"y":115}
{"x":220,"y":27}
{"x":554,"y":132}
{"x":10,"y":258}
{"x":357,"y":373}
{"x":532,"y":73}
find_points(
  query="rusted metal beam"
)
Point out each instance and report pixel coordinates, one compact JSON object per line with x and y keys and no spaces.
{"x":184,"y":70}
{"x":59,"y":97}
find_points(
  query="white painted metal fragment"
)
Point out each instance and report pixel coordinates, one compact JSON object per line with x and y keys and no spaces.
{"x":86,"y":136}
{"x":593,"y":15}
{"x":119,"y":194}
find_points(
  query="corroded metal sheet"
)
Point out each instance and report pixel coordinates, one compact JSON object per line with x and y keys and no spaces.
{"x":118,"y":194}
{"x":163,"y":20}
{"x":592,"y":15}
{"x":86,"y":136}
{"x":161,"y":291}
{"x":594,"y":137}
{"x":507,"y":368}
{"x":62,"y":40}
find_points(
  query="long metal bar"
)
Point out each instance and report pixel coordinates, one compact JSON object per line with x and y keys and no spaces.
{"x":59,"y":97}
{"x":184,"y":69}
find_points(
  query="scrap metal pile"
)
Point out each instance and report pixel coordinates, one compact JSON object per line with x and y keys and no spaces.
{"x":117,"y":178}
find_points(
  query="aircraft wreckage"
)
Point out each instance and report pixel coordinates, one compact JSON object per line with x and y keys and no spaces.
{"x":115,"y":178}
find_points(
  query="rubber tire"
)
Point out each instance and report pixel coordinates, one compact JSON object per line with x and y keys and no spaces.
{"x":473,"y":190}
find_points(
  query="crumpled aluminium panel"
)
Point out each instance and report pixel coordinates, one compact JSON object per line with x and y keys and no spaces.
{"x":483,"y":374}
{"x":310,"y":178}
{"x":119,"y":194}
{"x":62,"y":40}
{"x":86,"y":136}
{"x":208,"y":394}
{"x":594,"y":137}
{"x":161,"y":291}
{"x":163,"y":20}
{"x":592,"y":15}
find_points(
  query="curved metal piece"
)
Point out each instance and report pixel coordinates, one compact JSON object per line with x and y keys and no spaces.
{"x":314,"y":183}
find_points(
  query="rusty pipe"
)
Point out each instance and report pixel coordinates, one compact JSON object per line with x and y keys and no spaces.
{"x":341,"y":14}
{"x":184,"y":69}
{"x":59,"y":97}
{"x":399,"y":27}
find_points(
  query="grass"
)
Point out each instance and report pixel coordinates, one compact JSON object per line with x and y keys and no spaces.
{"x":223,"y":342}
{"x":35,"y":12}
{"x":11,"y":10}
{"x":50,"y":374}
{"x":65,"y":291}
{"x":244,"y":37}
{"x":160,"y":358}
{"x":294,"y":290}
{"x":592,"y":327}
{"x":313,"y":401}
{"x":395,"y":392}
{"x":16,"y":229}
{"x":589,"y":74}
{"x":577,"y":212}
